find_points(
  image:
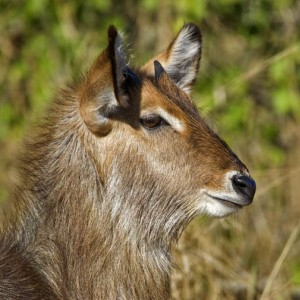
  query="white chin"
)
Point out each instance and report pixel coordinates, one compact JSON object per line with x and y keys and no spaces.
{"x":217,"y":208}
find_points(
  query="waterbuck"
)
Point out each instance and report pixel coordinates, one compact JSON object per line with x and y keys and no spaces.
{"x":118,"y":167}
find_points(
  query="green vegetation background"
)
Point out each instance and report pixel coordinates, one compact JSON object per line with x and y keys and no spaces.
{"x":248,"y":89}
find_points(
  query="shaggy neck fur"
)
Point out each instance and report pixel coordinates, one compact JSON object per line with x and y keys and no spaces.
{"x":81,"y":230}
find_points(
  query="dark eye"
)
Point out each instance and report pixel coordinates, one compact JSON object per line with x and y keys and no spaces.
{"x":152,"y":121}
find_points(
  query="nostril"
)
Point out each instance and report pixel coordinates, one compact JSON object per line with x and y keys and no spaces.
{"x":244,"y":185}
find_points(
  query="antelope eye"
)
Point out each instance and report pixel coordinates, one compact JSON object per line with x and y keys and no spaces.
{"x":152,"y":121}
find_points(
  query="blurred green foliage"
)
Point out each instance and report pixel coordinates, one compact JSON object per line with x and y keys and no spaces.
{"x":249,"y":82}
{"x":251,"y":60}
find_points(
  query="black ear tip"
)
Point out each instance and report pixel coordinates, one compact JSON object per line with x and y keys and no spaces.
{"x":195,"y":32}
{"x":158,"y":69}
{"x":112,"y":33}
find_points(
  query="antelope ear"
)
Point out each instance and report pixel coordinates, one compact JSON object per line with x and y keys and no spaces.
{"x":181,"y":58}
{"x":102,"y":90}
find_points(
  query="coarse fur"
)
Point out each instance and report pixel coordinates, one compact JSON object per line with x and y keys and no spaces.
{"x":116,"y":170}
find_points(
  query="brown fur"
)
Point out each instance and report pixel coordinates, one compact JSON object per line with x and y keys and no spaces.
{"x":100,"y":199}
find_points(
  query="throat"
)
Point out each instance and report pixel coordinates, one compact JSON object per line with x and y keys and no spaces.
{"x":104,"y":268}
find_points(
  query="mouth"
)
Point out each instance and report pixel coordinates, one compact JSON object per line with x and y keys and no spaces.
{"x":220,"y":204}
{"x":227,"y":200}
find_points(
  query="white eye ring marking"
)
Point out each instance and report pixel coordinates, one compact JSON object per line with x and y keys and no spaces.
{"x":174,"y":122}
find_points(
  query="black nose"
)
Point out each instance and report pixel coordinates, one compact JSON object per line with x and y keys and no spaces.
{"x":245,"y":186}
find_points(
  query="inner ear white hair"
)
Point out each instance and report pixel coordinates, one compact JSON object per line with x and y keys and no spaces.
{"x":181,"y":59}
{"x":183,"y":62}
